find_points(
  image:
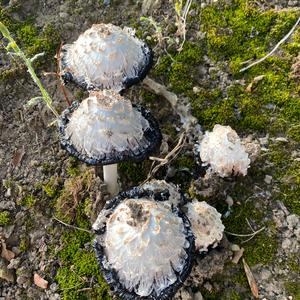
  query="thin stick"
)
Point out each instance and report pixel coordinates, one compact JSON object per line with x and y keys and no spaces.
{"x":84,"y":289}
{"x":250,"y":225}
{"x":62,"y":87}
{"x":72,"y":226}
{"x":246,"y":235}
{"x":183,"y":20}
{"x":274,"y":49}
{"x":168,"y":158}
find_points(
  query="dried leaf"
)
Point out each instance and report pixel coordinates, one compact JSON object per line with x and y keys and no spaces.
{"x":249,"y":88}
{"x":251,"y":280}
{"x":39,"y":281}
{"x":18,"y":156}
{"x":5,"y":253}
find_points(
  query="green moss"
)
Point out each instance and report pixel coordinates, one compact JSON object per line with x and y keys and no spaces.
{"x":46,"y":168}
{"x":180,"y":70}
{"x":293,"y":289}
{"x":185,"y":162}
{"x":33,"y":40}
{"x":262,"y":250}
{"x":290,"y":188}
{"x":79,"y":95}
{"x":180,"y":78}
{"x":4,"y":218}
{"x":233,"y":295}
{"x":169,"y":130}
{"x":53,"y":187}
{"x":241,"y":212}
{"x":162,"y":67}
{"x":87,"y":207}
{"x":29,"y":201}
{"x":77,"y":267}
{"x":148,"y":97}
{"x":70,"y":204}
{"x":73,"y":167}
{"x":209,"y":295}
{"x":134,"y":172}
{"x":24,"y":244}
{"x":192,"y":54}
{"x":286,"y":172}
{"x":293,"y":264}
{"x":239,"y":31}
{"x":222,"y":112}
{"x":184,"y":166}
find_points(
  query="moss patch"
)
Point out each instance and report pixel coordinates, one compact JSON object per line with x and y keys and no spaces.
{"x":4,"y":218}
{"x":70,"y":204}
{"x":293,"y":289}
{"x":52,"y":187}
{"x":32,"y":40}
{"x":134,"y":173}
{"x":78,"y":267}
{"x":73,"y":167}
{"x":28,"y":201}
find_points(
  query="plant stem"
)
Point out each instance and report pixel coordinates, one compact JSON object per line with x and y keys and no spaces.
{"x":110,"y":176}
{"x":28,"y":62}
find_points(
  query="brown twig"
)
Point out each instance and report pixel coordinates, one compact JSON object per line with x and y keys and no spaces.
{"x":168,"y":158}
{"x":62,"y":87}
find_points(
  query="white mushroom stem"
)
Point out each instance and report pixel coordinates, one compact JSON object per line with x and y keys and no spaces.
{"x":110,"y":176}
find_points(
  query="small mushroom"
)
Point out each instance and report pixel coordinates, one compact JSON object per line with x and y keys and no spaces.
{"x":106,"y":129}
{"x":106,"y":57}
{"x":144,"y":247}
{"x":223,"y":151}
{"x":206,"y":225}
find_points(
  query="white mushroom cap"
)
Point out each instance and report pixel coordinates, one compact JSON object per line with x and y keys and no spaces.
{"x":206,"y":224}
{"x":106,"y":128}
{"x":144,"y":247}
{"x":223,"y":151}
{"x":106,"y":57}
{"x":144,"y":242}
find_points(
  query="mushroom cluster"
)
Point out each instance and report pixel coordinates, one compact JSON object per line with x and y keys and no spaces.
{"x":146,"y":237}
{"x":106,"y":128}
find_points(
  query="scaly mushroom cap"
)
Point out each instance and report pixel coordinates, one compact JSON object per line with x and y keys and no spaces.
{"x":206,"y":224}
{"x":106,"y":57}
{"x":223,"y":151}
{"x":144,"y":247}
{"x":105,"y":129}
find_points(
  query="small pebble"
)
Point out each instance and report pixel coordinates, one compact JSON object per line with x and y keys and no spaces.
{"x":268,"y":179}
